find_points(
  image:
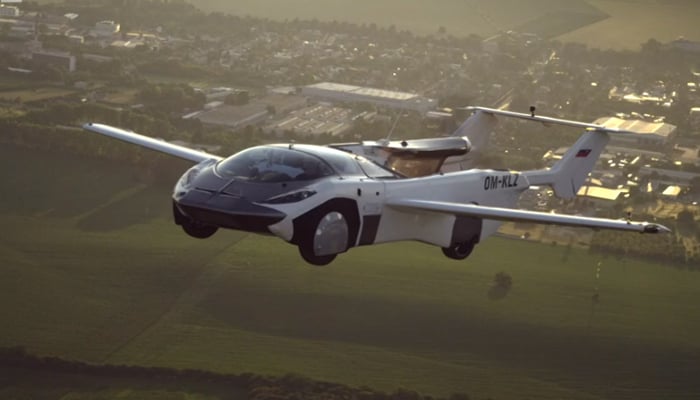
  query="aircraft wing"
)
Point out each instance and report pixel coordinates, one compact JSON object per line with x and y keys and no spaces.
{"x":151,"y":143}
{"x":509,"y":214}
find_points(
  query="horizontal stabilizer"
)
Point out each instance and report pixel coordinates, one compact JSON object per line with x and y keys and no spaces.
{"x":549,"y":120}
{"x":151,"y":143}
{"x":508,"y":214}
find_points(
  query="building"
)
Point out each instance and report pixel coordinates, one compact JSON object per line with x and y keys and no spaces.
{"x":9,"y":11}
{"x":686,"y":45}
{"x":76,"y":39}
{"x":255,"y":112}
{"x":694,"y":117}
{"x":378,"y":97}
{"x":642,"y":133}
{"x":106,"y":28}
{"x":672,"y":191}
{"x":233,"y":116}
{"x":602,"y":196}
{"x":669,"y":176}
{"x":314,"y":120}
{"x":62,"y":60}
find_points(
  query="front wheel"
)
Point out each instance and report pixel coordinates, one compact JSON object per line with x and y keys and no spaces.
{"x":325,"y":235}
{"x":198,"y":231}
{"x":459,"y":251}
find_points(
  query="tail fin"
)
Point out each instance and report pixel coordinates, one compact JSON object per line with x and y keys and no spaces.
{"x":568,"y":175}
{"x":477,"y":128}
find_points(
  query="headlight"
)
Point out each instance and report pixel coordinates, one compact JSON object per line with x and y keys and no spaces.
{"x":291,"y":197}
{"x":185,"y":181}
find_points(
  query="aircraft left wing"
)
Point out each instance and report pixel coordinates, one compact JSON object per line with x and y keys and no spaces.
{"x":151,"y":143}
{"x":509,"y":214}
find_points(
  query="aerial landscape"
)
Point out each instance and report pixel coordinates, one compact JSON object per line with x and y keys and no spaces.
{"x":103,"y":296}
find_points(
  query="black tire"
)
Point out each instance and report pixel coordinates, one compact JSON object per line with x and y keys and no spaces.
{"x":459,"y":251}
{"x":307,"y":253}
{"x":307,"y":239}
{"x":199,"y":231}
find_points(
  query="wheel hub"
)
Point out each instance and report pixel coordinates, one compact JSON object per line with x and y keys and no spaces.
{"x":331,"y":236}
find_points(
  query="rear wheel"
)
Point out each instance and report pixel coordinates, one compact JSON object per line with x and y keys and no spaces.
{"x":311,"y":258}
{"x":459,"y":251}
{"x":325,"y":235}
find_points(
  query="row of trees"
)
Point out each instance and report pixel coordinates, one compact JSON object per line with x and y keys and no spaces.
{"x":666,"y":249}
{"x":257,"y":387}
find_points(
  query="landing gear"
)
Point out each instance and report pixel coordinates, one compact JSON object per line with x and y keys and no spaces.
{"x":325,"y":235}
{"x":192,"y":228}
{"x":198,"y":231}
{"x":459,"y":251}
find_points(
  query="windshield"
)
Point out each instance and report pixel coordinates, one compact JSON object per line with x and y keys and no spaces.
{"x":273,"y":164}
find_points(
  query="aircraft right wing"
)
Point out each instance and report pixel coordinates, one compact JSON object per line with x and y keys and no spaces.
{"x":151,"y":143}
{"x":509,"y":214}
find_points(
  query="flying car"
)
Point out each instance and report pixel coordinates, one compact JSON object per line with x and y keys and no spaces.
{"x":329,"y":199}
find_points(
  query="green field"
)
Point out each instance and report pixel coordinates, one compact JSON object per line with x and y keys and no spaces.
{"x":615,"y":24}
{"x":39,"y":93}
{"x":92,"y":269}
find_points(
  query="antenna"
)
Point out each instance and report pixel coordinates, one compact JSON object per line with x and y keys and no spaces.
{"x":391,"y":131}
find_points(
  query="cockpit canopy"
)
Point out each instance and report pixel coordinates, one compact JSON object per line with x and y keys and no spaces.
{"x":276,"y":163}
{"x":422,"y":157}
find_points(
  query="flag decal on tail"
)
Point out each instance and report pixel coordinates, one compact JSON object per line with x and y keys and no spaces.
{"x":583,"y":153}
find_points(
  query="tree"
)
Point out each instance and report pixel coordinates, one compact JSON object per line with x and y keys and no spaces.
{"x":695,"y":183}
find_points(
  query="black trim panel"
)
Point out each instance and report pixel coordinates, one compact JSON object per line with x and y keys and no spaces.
{"x":466,"y":229}
{"x":251,"y":219}
{"x":370,"y":225}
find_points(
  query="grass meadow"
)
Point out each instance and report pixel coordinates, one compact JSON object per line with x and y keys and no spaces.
{"x":92,"y":269}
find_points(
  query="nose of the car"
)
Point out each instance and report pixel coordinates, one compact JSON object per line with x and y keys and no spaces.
{"x":229,"y":203}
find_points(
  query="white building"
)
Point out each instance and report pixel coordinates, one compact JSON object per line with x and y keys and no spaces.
{"x":9,"y":11}
{"x":378,"y":97}
{"x":644,"y":133}
{"x":314,"y":120}
{"x":106,"y":28}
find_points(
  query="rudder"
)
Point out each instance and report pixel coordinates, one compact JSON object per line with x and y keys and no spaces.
{"x":568,"y":175}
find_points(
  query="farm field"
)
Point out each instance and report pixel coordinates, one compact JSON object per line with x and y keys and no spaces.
{"x":633,"y":23}
{"x":458,"y":17}
{"x":606,"y":24}
{"x":92,"y":269}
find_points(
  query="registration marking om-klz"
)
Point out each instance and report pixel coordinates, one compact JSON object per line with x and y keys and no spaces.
{"x":492,"y":182}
